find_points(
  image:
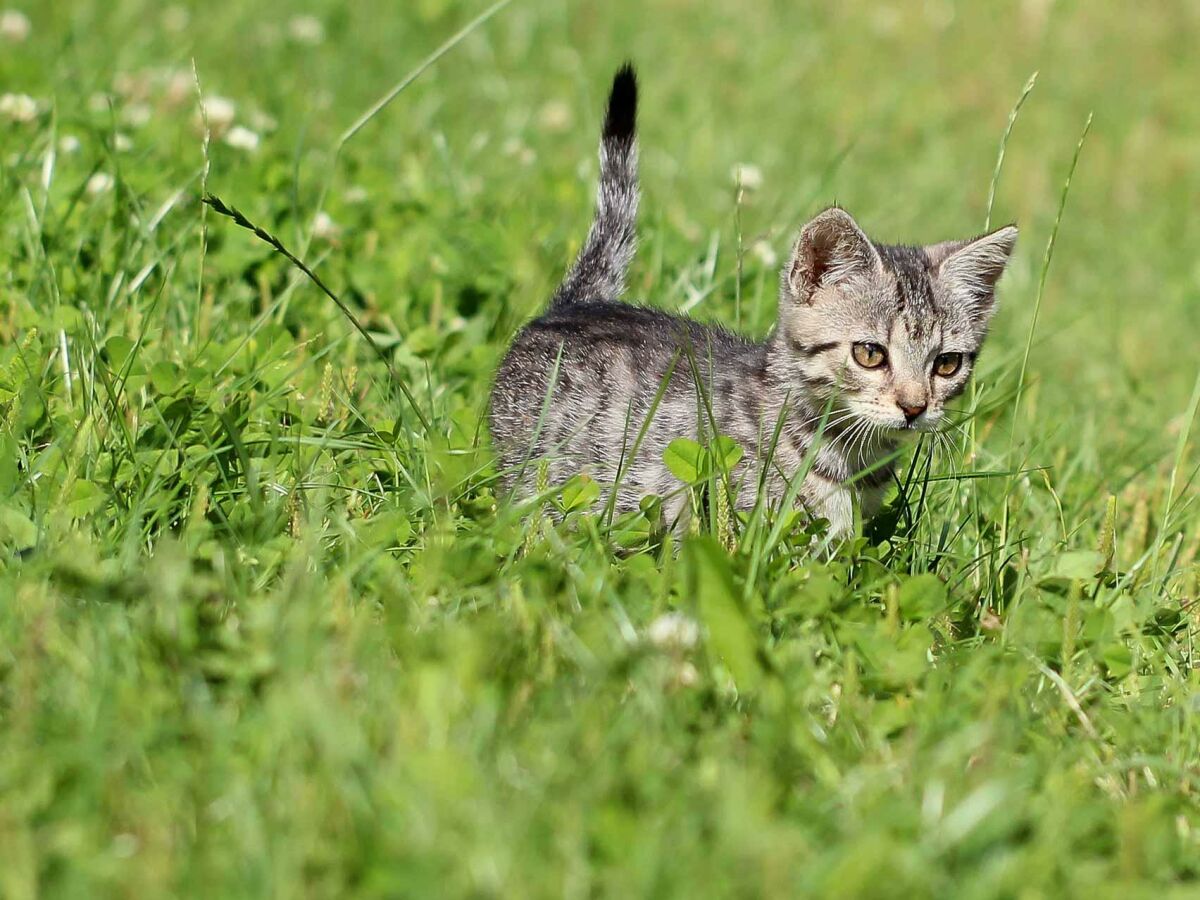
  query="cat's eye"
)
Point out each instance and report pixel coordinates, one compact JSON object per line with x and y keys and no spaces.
{"x":947,"y":364}
{"x":868,"y":355}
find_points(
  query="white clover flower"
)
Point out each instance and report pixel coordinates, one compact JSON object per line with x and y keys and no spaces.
{"x":219,"y":111}
{"x":136,"y":114}
{"x":125,"y":845}
{"x":764,"y":253}
{"x":260,"y":121}
{"x":130,"y":84}
{"x":100,"y":183}
{"x":181,"y":86}
{"x":306,"y":30}
{"x":122,"y":143}
{"x":176,"y":18}
{"x":686,"y":675}
{"x":555,"y":116}
{"x":748,"y":176}
{"x":673,"y":631}
{"x":242,"y":138}
{"x":514,"y":146}
{"x":18,"y":107}
{"x":14,"y":26}
{"x":324,"y":228}
{"x":68,"y":144}
{"x":886,"y":19}
{"x":939,"y":14}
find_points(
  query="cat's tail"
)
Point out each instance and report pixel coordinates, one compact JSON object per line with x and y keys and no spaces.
{"x":599,"y":272}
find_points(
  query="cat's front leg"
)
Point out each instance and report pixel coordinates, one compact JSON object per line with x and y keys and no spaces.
{"x":831,"y":501}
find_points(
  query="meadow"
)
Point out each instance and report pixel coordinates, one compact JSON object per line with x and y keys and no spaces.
{"x":267,"y":629}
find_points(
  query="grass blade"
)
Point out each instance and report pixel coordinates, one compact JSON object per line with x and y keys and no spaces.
{"x":1008,"y":129}
{"x":1049,"y":255}
{"x":220,"y":207}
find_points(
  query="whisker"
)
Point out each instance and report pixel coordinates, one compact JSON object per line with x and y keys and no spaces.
{"x":835,"y":418}
{"x":959,"y":428}
{"x":863,"y":430}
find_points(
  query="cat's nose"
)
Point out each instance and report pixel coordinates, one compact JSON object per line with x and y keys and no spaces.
{"x":911,"y":412}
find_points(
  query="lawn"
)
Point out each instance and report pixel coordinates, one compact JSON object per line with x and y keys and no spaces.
{"x":267,"y":628}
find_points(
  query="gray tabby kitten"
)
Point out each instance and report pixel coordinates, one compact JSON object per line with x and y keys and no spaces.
{"x":872,"y":341}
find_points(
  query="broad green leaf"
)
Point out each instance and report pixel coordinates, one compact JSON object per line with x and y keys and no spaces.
{"x":578,"y":493}
{"x":118,"y":349}
{"x":893,"y":660}
{"x":814,"y":596}
{"x":274,"y":374}
{"x":16,"y":529}
{"x":9,"y":473}
{"x":165,"y":377}
{"x":731,"y":636}
{"x":67,"y":318}
{"x":726,"y":453}
{"x":921,"y":596}
{"x":686,"y":459}
{"x":423,"y":339}
{"x":1078,"y":564}
{"x":1118,"y":660}
{"x":84,"y":498}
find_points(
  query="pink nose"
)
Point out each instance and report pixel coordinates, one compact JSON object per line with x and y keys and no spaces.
{"x":911,"y":412}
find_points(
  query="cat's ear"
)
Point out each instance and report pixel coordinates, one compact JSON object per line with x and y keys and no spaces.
{"x":830,"y":250}
{"x":970,"y":269}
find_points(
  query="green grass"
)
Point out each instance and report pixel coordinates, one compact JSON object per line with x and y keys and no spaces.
{"x":263,"y":633}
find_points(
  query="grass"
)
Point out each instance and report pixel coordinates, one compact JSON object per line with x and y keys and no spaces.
{"x":263,"y":632}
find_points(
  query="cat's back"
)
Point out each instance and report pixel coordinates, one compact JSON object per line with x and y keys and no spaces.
{"x":588,"y":367}
{"x":618,"y":327}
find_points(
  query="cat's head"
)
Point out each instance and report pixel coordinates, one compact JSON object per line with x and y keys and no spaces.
{"x":890,"y":332}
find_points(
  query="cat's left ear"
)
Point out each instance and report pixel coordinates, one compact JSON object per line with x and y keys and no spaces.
{"x":831,"y":251}
{"x":970,"y":269}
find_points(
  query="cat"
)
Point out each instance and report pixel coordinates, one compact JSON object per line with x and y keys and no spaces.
{"x":870,"y":343}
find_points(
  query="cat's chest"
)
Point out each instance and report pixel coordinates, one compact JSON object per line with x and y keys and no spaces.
{"x":843,"y":457}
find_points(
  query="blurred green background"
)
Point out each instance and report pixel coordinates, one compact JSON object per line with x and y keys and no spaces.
{"x":259,"y":635}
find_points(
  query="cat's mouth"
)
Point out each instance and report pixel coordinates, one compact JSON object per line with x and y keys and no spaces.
{"x":886,"y":421}
{"x":922,"y":425}
{"x":903,"y":428}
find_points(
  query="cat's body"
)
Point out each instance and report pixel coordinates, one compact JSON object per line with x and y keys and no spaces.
{"x":615,"y":359}
{"x":576,"y":390}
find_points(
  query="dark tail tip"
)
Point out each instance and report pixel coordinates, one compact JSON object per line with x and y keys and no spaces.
{"x":621,"y":119}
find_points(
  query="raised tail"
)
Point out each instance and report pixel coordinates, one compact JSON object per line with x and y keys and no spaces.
{"x":599,"y":272}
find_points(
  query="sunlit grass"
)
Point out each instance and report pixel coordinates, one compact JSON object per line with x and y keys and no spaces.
{"x":265,"y":631}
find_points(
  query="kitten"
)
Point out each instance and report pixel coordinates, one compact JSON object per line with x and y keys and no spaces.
{"x":871,"y":342}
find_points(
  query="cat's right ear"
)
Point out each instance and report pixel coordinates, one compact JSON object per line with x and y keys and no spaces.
{"x":830,"y":250}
